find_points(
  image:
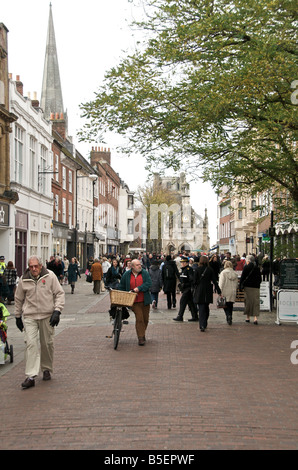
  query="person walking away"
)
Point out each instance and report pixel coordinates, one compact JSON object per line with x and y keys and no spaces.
{"x":156,"y":280}
{"x":265,"y":268}
{"x":56,"y":266}
{"x":204,"y":281}
{"x":39,"y":301}
{"x":250,"y":281}
{"x":10,"y":273}
{"x":215,"y":264}
{"x":170,"y":274}
{"x":228,"y":283}
{"x":185,"y":286}
{"x":73,"y":273}
{"x":97,"y":275}
{"x":138,"y":280}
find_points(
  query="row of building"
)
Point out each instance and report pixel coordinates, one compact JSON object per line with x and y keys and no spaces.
{"x":52,"y":199}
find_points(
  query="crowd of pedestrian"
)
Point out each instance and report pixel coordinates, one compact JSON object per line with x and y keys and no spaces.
{"x":39,"y":296}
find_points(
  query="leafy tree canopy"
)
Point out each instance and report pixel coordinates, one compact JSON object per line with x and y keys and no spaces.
{"x":208,"y":91}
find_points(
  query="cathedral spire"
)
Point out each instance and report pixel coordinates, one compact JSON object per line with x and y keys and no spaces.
{"x":51,"y":93}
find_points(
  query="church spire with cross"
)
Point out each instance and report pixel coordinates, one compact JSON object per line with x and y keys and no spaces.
{"x":51,"y":93}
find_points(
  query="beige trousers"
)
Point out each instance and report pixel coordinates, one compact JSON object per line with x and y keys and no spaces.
{"x":39,"y":340}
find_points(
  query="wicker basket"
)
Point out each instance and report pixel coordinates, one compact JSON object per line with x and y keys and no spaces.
{"x":120,"y":297}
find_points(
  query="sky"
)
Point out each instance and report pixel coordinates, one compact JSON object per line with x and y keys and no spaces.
{"x":91,"y":37}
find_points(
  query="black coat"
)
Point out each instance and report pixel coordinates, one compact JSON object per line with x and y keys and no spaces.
{"x":203,"y":288}
{"x":170,"y":274}
{"x":251,"y":276}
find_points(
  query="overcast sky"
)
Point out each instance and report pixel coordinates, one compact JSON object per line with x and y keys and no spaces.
{"x":91,"y":37}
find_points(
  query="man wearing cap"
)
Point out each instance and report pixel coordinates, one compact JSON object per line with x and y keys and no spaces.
{"x":186,"y":281}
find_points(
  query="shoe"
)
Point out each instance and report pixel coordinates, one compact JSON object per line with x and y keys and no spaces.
{"x":142,"y":341}
{"x":178,"y":319}
{"x":229,"y":320}
{"x":28,"y":382}
{"x":46,"y":375}
{"x":154,"y":304}
{"x":193,"y":319}
{"x":202,"y":329}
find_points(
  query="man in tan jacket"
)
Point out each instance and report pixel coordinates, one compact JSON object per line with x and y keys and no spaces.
{"x":39,"y":301}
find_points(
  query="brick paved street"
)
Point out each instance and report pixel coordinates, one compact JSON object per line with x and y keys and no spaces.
{"x":232,"y":387}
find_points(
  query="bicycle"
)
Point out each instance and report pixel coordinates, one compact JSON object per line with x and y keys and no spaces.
{"x":120,"y":299}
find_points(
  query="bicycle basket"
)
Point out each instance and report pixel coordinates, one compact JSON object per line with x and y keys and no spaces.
{"x":119,"y":297}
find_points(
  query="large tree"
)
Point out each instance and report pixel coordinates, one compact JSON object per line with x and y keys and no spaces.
{"x":209,"y":90}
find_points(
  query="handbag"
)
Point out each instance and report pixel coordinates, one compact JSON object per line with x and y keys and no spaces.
{"x":221,"y":302}
{"x":89,"y":277}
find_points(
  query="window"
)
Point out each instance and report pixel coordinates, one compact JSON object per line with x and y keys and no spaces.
{"x":44,"y":247}
{"x":56,"y":207}
{"x":64,"y":210}
{"x":34,"y":243}
{"x":19,"y":154}
{"x":56,"y":167}
{"x":43,"y":166}
{"x":70,"y":181}
{"x":130,"y":202}
{"x":32,"y":163}
{"x":63,"y":177}
{"x":130,"y":226}
{"x":70,"y":214}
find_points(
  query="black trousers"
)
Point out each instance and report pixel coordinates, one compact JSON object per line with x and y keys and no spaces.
{"x":187,"y":299}
{"x":204,"y":312}
{"x":229,"y":309}
{"x":171,"y":298}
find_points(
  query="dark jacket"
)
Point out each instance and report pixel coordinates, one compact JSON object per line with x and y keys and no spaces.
{"x":186,"y":278}
{"x":251,"y":276}
{"x":169,"y":274}
{"x":73,"y":272}
{"x":145,"y":287}
{"x":203,"y":289}
{"x":156,"y":279}
{"x":113,"y":277}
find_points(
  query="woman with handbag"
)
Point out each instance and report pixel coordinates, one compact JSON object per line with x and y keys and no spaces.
{"x":228,"y":282}
{"x":250,"y":281}
{"x":204,"y":277}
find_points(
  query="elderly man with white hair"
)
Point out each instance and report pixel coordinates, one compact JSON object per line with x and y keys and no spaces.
{"x":39,"y":301}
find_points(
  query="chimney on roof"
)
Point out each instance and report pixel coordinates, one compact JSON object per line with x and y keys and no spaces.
{"x":99,"y":153}
{"x":35,"y":102}
{"x":19,"y":85}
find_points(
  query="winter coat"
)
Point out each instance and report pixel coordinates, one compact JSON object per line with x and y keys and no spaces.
{"x":156,"y":279}
{"x":38,"y":299}
{"x":145,"y":287}
{"x":251,"y":276}
{"x":170,"y":274}
{"x":113,"y":277}
{"x":228,"y":283}
{"x":96,"y":270}
{"x":203,"y":289}
{"x":73,"y":272}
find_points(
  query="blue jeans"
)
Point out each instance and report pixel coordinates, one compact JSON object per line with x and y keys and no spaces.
{"x":154,"y":296}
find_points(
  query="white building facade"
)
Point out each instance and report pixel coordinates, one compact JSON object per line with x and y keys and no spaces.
{"x":31,"y":173}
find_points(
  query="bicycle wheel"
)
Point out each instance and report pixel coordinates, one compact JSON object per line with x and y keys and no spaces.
{"x":117,"y":327}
